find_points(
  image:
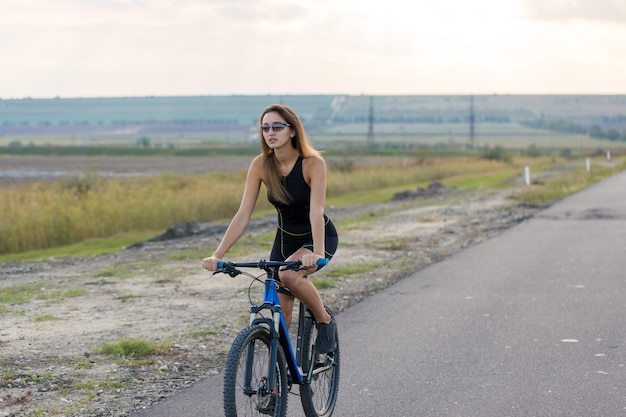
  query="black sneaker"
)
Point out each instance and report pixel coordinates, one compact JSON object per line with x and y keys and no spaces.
{"x":325,"y":341}
{"x":270,"y":407}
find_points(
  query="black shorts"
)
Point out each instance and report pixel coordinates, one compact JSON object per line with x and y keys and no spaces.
{"x":286,"y":245}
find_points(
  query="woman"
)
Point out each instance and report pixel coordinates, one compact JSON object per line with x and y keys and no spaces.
{"x":294,"y":174}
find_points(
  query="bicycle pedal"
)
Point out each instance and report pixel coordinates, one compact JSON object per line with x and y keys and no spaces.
{"x":268,"y":408}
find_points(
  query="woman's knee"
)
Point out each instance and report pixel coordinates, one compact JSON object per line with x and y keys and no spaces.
{"x":288,"y":277}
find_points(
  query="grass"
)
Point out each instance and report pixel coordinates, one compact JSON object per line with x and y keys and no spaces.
{"x":45,"y":317}
{"x":247,"y":244}
{"x":19,"y":294}
{"x":136,"y":363}
{"x":41,"y":216}
{"x":131,"y":348}
{"x":60,"y":295}
{"x":87,"y":364}
{"x":554,"y":189}
{"x":110,"y":273}
{"x":130,"y":211}
{"x":86,"y":247}
{"x":354,"y":269}
{"x":46,"y":376}
{"x":496,"y":180}
{"x":202,"y":333}
{"x":183,"y":256}
{"x":357,"y":222}
{"x":396,"y":243}
{"x":11,"y":377}
{"x":24,"y":293}
{"x":251,"y":243}
{"x":322,"y":283}
{"x":125,"y":297}
{"x":91,"y":388}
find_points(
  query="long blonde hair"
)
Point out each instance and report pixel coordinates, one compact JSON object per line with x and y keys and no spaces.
{"x":274,"y":182}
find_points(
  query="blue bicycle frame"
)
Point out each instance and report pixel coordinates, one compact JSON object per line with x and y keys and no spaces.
{"x":262,"y":366}
{"x":277,"y":325}
{"x":280,"y":334}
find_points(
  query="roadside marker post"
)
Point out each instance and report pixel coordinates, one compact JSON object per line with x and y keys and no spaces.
{"x":527,"y":175}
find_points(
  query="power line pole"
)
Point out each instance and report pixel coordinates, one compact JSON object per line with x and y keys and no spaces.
{"x":472,"y":121}
{"x":370,"y":129}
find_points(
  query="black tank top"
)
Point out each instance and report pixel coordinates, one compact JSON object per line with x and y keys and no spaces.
{"x":293,"y":217}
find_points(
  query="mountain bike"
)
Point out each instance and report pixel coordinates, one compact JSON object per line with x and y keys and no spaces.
{"x":262,"y":366}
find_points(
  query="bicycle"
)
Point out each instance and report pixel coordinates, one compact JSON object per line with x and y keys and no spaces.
{"x":262,"y":366}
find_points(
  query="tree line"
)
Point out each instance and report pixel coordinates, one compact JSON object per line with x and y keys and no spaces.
{"x":596,"y":131}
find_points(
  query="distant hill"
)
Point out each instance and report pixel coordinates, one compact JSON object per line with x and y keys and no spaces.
{"x":234,"y":118}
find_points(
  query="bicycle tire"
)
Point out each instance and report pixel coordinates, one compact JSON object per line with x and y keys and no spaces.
{"x":251,"y":349}
{"x":320,"y":394}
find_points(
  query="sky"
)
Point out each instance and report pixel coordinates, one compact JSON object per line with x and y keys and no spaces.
{"x":112,"y":48}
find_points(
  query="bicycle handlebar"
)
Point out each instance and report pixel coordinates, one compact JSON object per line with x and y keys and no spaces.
{"x":266,"y":264}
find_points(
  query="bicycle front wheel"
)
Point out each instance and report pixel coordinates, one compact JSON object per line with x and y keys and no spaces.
{"x":320,"y":394}
{"x":246,"y":387}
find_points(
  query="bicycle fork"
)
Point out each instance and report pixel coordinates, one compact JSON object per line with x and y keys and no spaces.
{"x":269,"y":303}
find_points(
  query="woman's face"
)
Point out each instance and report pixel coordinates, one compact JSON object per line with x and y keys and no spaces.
{"x":276,"y":131}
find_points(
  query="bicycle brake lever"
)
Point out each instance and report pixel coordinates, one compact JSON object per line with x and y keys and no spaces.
{"x":231,"y":272}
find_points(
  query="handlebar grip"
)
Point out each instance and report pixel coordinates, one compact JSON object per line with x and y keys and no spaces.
{"x":221,"y":264}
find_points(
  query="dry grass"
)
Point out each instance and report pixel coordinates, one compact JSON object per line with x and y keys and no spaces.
{"x":46,"y":215}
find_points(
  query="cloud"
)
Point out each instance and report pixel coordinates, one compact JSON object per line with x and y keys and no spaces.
{"x":564,"y":10}
{"x":154,"y":47}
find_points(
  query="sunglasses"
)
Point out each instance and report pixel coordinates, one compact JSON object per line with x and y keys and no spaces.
{"x":276,"y":126}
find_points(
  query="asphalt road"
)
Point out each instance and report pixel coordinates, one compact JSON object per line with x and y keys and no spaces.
{"x":530,"y":323}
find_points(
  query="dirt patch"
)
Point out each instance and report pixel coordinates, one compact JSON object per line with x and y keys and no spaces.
{"x":158,"y":291}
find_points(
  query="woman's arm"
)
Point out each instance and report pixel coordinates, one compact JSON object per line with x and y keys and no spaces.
{"x":315,"y":173}
{"x":241,"y":219}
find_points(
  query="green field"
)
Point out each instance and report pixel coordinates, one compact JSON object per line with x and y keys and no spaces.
{"x":566,"y":121}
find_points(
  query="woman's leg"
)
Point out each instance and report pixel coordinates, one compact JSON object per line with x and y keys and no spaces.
{"x":303,"y":290}
{"x":286,"y":303}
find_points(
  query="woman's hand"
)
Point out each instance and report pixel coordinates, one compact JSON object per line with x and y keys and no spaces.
{"x":309,"y":260}
{"x":210,"y":263}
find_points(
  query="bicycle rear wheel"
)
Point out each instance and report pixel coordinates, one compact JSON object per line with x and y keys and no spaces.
{"x":319,"y":396}
{"x":246,"y":388}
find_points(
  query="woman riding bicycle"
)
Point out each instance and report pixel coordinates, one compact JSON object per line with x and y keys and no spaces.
{"x":294,"y":174}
